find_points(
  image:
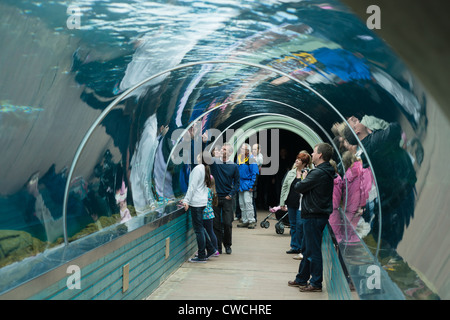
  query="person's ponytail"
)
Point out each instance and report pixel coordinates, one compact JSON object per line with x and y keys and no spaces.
{"x":207,"y":176}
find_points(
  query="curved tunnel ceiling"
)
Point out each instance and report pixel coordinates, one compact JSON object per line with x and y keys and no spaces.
{"x":304,"y":66}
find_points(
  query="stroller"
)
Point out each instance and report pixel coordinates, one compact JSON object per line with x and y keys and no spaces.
{"x":282,"y":218}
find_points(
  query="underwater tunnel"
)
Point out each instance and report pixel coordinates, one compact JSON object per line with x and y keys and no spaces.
{"x":106,"y":103}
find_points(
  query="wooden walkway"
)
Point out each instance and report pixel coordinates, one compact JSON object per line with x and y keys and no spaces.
{"x":257,"y":269}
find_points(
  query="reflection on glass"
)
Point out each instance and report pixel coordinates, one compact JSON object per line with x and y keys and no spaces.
{"x":356,"y":202}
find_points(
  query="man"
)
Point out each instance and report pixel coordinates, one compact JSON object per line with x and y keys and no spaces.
{"x":317,"y":205}
{"x":226,"y":175}
{"x":395,"y":177}
{"x":248,"y":170}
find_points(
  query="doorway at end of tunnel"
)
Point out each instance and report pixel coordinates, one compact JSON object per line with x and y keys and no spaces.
{"x":269,"y":186}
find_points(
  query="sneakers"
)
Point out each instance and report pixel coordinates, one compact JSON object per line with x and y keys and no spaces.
{"x":252,"y":225}
{"x":197,"y":260}
{"x":298,"y":257}
{"x":228,"y":250}
{"x":215,"y":254}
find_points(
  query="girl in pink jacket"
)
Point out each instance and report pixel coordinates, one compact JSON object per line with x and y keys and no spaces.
{"x":356,"y":193}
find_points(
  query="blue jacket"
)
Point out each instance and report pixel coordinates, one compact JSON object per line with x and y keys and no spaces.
{"x":247,"y":171}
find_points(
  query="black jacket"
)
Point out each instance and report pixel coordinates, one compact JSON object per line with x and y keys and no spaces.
{"x":317,"y":190}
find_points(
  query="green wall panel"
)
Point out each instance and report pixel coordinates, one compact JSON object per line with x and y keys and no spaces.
{"x":102,"y":279}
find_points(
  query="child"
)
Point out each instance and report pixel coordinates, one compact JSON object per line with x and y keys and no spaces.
{"x":208,"y":215}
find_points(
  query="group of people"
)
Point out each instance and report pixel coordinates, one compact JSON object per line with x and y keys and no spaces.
{"x":209,"y":197}
{"x":375,"y":145}
{"x":212,"y":188}
{"x":211,"y":191}
{"x":314,"y":192}
{"x":313,"y":202}
{"x":347,"y":196}
{"x":307,"y":195}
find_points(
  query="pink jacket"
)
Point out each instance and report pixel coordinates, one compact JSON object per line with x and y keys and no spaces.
{"x":335,"y":218}
{"x":357,"y":187}
{"x":337,"y":192}
{"x":367,"y":181}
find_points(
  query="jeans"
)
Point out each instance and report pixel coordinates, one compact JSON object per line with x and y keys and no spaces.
{"x":203,"y":241}
{"x":208,"y":225}
{"x":311,"y":265}
{"x":223,"y":219}
{"x":246,"y":205}
{"x":296,"y":224}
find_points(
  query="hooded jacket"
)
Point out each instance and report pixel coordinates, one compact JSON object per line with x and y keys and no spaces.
{"x":317,"y":190}
{"x":357,"y":195}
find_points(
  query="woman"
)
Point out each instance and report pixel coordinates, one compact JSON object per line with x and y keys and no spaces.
{"x":290,"y":202}
{"x":196,"y":199}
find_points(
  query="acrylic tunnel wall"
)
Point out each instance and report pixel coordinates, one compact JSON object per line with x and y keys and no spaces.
{"x":101,"y":122}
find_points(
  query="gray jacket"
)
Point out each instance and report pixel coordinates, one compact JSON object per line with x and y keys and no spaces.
{"x":285,"y":188}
